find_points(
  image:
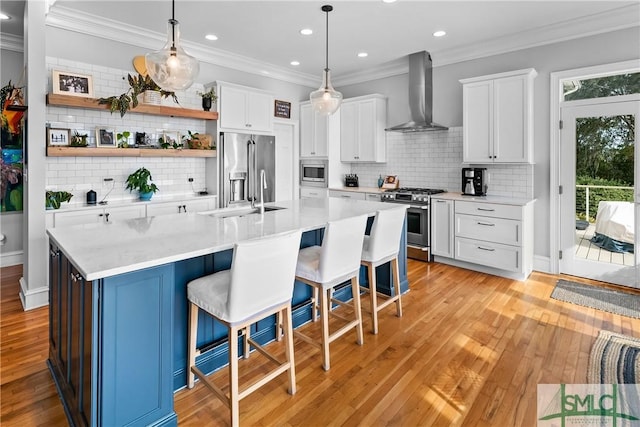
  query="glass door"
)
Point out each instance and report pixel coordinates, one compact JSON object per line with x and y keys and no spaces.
{"x":600,"y":197}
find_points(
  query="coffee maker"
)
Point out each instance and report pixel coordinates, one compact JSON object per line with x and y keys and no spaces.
{"x":474,"y":181}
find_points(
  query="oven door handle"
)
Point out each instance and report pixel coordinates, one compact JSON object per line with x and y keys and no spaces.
{"x":423,"y":207}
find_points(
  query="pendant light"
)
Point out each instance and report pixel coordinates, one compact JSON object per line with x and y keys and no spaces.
{"x":326,"y":100}
{"x":172,"y":68}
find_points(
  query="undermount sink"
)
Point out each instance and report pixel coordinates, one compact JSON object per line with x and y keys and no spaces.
{"x":233,"y":212}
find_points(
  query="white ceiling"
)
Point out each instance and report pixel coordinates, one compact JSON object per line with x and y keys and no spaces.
{"x":266,"y":33}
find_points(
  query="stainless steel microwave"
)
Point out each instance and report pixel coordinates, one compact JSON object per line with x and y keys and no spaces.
{"x":314,"y":173}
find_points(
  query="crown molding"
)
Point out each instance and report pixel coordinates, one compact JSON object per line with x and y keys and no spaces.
{"x":11,"y":42}
{"x":85,"y":23}
{"x":613,"y":20}
{"x":97,"y":26}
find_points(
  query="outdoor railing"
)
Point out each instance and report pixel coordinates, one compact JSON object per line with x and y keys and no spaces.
{"x":600,"y":197}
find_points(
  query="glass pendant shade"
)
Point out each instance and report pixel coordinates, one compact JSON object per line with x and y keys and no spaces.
{"x":326,"y":100}
{"x":171,"y":67}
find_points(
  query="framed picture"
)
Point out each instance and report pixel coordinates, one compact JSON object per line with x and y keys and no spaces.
{"x":106,"y":137}
{"x":72,"y":84}
{"x":56,"y":136}
{"x":391,"y":181}
{"x":282,"y":109}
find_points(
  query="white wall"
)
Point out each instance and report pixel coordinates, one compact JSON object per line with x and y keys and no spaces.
{"x":11,"y":223}
{"x":447,"y":95}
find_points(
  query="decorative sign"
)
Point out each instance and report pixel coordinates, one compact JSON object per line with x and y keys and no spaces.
{"x":282,"y":109}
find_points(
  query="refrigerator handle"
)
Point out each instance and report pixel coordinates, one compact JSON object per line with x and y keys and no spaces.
{"x":256,"y":176}
{"x":249,"y":172}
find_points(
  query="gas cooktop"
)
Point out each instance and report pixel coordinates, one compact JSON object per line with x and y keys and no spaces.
{"x":415,"y":190}
{"x":410,"y":195}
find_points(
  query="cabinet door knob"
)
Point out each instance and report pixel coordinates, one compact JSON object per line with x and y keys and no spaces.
{"x":184,"y":207}
{"x":248,"y":125}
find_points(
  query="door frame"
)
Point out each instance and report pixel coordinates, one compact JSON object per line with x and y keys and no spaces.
{"x":556,"y":101}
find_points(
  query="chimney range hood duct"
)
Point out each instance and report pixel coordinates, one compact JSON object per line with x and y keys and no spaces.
{"x":420,"y":96}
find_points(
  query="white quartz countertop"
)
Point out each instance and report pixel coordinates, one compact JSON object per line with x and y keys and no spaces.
{"x":484,"y":199}
{"x":107,"y":249}
{"x":359,"y":189}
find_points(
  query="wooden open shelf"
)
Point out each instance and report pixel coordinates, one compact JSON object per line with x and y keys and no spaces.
{"x":158,"y":110}
{"x":56,"y":151}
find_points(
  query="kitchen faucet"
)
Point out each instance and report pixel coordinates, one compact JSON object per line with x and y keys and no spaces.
{"x":263,"y":186}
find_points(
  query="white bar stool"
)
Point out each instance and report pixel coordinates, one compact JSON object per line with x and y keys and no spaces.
{"x":381,"y":246}
{"x":259,"y":284}
{"x":324,"y":267}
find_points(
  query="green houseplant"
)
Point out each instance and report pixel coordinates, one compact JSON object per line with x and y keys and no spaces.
{"x":141,"y":180}
{"x":128,"y":100}
{"x":55,"y":198}
{"x":208,"y":98}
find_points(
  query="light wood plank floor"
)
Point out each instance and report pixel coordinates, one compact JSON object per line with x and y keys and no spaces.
{"x":587,"y":250}
{"x":469,"y":350}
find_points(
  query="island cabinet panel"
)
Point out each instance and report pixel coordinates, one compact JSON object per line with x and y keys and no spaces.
{"x":70,"y":336}
{"x":136,"y":328}
{"x":110,"y":344}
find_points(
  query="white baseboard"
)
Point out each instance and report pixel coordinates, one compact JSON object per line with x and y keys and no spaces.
{"x":10,"y":258}
{"x":33,"y":298}
{"x":542,"y":263}
{"x":482,"y":268}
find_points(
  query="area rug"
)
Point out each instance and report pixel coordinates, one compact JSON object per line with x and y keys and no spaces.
{"x":614,"y":359}
{"x":613,"y":301}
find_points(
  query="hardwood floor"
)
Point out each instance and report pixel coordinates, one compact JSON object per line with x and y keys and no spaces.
{"x":469,"y":350}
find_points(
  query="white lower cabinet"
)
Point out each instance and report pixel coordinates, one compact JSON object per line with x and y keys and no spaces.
{"x":442,"y":228}
{"x":307,"y":192}
{"x":492,"y":237}
{"x":98,"y":214}
{"x":181,"y":206}
{"x":347,"y":195}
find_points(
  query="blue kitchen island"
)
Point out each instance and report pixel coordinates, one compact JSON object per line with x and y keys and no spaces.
{"x":118,"y":305}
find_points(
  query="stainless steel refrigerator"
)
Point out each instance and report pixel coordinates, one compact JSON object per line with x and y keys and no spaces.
{"x":241,"y":158}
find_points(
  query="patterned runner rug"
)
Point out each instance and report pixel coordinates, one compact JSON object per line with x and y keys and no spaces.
{"x":614,"y":359}
{"x":613,"y":301}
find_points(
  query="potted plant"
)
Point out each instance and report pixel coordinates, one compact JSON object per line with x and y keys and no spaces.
{"x":197,"y":141}
{"x":123,"y":139}
{"x":139,"y":84}
{"x":208,"y":98}
{"x":141,"y":180}
{"x":54,"y":198}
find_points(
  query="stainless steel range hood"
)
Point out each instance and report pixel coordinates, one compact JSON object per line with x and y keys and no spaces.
{"x":420,"y":96}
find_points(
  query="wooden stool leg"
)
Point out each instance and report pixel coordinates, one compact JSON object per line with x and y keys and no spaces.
{"x":396,"y":281}
{"x":355,"y":289}
{"x":193,"y":335}
{"x":279,"y":326}
{"x":315,"y":306}
{"x":324,"y":317}
{"x":246,"y":349}
{"x":374,"y":297}
{"x":288,"y":339}
{"x":234,"y":401}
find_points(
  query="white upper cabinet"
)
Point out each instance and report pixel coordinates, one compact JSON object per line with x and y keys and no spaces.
{"x":314,"y":132}
{"x":362,"y":123}
{"x":497,"y":118}
{"x":244,"y":109}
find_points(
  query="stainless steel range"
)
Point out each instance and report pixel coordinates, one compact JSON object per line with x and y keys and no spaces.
{"x":418,"y":218}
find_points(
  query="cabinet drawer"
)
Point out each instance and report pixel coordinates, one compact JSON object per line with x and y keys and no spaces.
{"x":347,"y":195}
{"x":505,"y":231}
{"x":494,"y":255}
{"x":489,"y":209}
{"x":313,"y":192}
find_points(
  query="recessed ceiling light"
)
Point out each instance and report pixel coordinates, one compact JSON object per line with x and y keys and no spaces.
{"x":362,"y":54}
{"x":388,"y":1}
{"x":439,"y":33}
{"x":306,"y":31}
{"x":294,"y":63}
{"x":4,"y":17}
{"x":211,"y":37}
{"x":265,"y":72}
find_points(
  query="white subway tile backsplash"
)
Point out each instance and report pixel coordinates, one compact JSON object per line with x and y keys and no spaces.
{"x":434,"y":160}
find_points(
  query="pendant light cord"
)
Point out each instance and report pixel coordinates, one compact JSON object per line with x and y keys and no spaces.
{"x":173,"y":23}
{"x":327,"y":44}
